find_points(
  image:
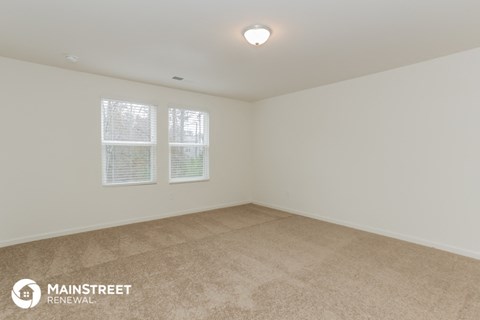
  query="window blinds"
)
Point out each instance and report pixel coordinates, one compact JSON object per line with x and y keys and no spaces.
{"x":128,"y":142}
{"x":188,"y":144}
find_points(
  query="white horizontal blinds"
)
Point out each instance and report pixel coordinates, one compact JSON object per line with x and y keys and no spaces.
{"x":129,"y":142}
{"x":188,"y":142}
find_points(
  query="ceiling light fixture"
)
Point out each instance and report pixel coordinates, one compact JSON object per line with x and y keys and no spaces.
{"x":257,"y":34}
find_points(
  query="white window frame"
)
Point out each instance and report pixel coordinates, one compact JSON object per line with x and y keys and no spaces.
{"x":206,"y":145}
{"x":152,"y":144}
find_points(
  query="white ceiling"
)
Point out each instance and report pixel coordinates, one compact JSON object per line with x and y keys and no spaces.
{"x":313,"y":42}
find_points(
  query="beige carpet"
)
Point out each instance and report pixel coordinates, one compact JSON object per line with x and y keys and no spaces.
{"x":245,"y":262}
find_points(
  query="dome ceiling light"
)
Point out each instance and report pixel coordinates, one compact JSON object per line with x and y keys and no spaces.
{"x":257,"y":34}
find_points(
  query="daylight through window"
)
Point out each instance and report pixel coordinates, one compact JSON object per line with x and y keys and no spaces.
{"x":128,"y":142}
{"x":188,"y":143}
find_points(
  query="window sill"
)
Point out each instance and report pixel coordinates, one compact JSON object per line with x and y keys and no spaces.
{"x":129,"y":184}
{"x":188,"y":180}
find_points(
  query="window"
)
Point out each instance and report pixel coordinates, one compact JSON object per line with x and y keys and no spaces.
{"x":129,"y":141}
{"x":188,"y":143}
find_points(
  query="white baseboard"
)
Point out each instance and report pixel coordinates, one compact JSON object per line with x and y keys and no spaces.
{"x":70,"y":231}
{"x":399,"y":236}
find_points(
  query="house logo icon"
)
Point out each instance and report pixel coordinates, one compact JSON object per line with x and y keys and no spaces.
{"x":26,"y":293}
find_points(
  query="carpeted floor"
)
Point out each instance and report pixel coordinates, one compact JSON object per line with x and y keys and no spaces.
{"x":245,"y":262}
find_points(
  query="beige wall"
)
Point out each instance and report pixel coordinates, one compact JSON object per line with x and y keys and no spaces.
{"x":51,"y":154}
{"x":396,"y":153}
